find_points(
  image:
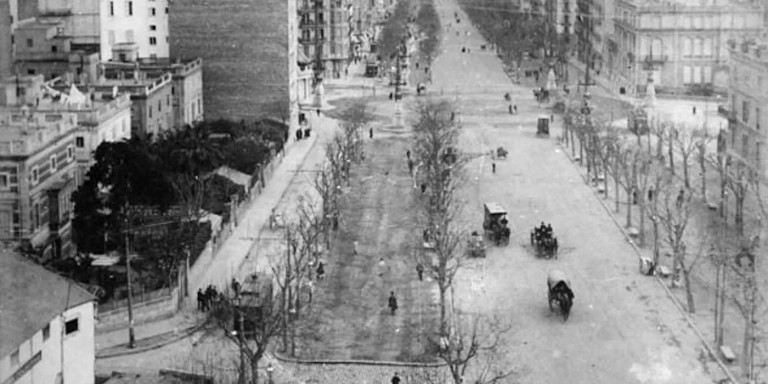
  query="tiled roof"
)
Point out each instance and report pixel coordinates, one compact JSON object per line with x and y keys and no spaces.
{"x":30,"y":297}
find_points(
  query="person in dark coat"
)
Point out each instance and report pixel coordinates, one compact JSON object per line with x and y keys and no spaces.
{"x":320,"y":271}
{"x":395,"y":379}
{"x":420,"y":271}
{"x":392,"y":302}
{"x":370,"y":132}
{"x":200,"y":300}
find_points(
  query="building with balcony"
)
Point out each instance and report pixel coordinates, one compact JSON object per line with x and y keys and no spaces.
{"x":747,"y":109}
{"x":37,"y":175}
{"x":325,"y":31}
{"x":186,"y":87}
{"x":46,"y":325}
{"x":140,"y":22}
{"x":682,"y":43}
{"x":249,"y":53}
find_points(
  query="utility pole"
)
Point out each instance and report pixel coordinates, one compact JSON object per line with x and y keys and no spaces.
{"x":131,"y":334}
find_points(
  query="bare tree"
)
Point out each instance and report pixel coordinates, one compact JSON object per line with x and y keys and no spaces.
{"x":738,"y":178}
{"x":436,"y":137}
{"x":673,"y":211}
{"x":606,"y":144}
{"x":670,"y":135}
{"x":627,"y":160}
{"x":475,"y":344}
{"x":701,"y":157}
{"x":747,"y":303}
{"x":251,"y":322}
{"x":685,"y":140}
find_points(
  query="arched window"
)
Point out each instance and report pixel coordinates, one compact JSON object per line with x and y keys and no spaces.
{"x":687,"y":47}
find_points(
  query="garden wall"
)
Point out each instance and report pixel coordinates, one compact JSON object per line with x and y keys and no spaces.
{"x":157,"y":308}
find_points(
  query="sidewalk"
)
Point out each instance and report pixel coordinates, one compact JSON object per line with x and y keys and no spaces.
{"x":232,"y":256}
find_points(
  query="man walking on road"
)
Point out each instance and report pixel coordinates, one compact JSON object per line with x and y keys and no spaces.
{"x":370,"y":132}
{"x":392,"y":302}
{"x":200,"y":300}
{"x":420,"y":271}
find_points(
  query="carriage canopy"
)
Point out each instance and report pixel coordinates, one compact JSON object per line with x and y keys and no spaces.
{"x":556,"y":277}
{"x":494,"y":208}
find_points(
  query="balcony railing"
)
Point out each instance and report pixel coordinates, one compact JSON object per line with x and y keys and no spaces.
{"x":656,"y":59}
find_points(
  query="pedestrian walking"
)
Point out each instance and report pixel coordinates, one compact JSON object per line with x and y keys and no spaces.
{"x":493,"y":167}
{"x":318,"y":111}
{"x":408,"y":154}
{"x":320,"y":271}
{"x":410,"y":167}
{"x":200,"y":300}
{"x":310,"y":290}
{"x":510,"y":109}
{"x":395,"y":379}
{"x":420,"y":271}
{"x":514,"y":108}
{"x":392,"y":304}
{"x":354,"y":247}
{"x":370,"y":132}
{"x":236,"y":287}
{"x":391,"y":95}
{"x":694,"y":110}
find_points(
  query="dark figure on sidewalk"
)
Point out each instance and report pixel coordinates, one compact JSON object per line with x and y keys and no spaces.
{"x":420,"y":271}
{"x":370,"y":132}
{"x":335,"y":221}
{"x":320,"y":271}
{"x":493,"y":167}
{"x":410,"y":166}
{"x":391,"y":95}
{"x":510,"y":109}
{"x":236,"y":288}
{"x":318,"y":111}
{"x":423,"y":188}
{"x":200,"y":300}
{"x":392,"y":303}
{"x":298,"y":134}
{"x":694,"y":110}
{"x":514,"y":108}
{"x":680,"y":198}
{"x":453,"y":116}
{"x":395,"y":379}
{"x":417,"y":65}
{"x":408,"y":154}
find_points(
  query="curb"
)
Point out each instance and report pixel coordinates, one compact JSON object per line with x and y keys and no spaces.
{"x":669,"y":293}
{"x":123,"y":350}
{"x":285,"y":359}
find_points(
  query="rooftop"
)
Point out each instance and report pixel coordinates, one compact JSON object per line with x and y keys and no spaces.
{"x":30,"y":297}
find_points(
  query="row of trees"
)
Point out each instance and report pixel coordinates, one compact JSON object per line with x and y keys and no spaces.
{"x":440,"y":169}
{"x":648,"y":176}
{"x":172,"y":175}
{"x":281,"y":315}
{"x":429,"y":26}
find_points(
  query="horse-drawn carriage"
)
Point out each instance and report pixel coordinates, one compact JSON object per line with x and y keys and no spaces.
{"x":495,"y":223}
{"x":541,"y":95}
{"x":543,"y":242}
{"x":559,"y":292}
{"x":542,"y":126}
{"x":476,"y":245}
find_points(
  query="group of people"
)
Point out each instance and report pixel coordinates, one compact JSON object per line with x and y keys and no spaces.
{"x":512,"y":107}
{"x":209,"y":299}
{"x":543,"y":232}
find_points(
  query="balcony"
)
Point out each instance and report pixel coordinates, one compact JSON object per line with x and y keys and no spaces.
{"x":655,"y":59}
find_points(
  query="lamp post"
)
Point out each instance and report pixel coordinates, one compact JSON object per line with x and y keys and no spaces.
{"x":270,"y":370}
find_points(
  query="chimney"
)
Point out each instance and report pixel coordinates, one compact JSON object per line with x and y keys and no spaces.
{"x":6,"y":59}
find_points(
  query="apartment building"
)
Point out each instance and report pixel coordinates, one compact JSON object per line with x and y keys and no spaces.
{"x":37,"y":172}
{"x":47,"y":327}
{"x":683,"y":43}
{"x":141,"y":22}
{"x":748,"y":103}
{"x":325,"y":27}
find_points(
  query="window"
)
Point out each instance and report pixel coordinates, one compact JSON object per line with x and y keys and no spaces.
{"x":129,"y":8}
{"x":71,"y":326}
{"x":686,"y":75}
{"x":15,"y":358}
{"x":707,"y":75}
{"x":5,"y":181}
{"x":35,"y":175}
{"x":687,"y":47}
{"x":150,"y":111}
{"x":152,"y":41}
{"x":80,"y":142}
{"x":129,"y":36}
{"x":168,"y":100}
{"x":111,"y":37}
{"x":35,"y":216}
{"x":153,"y":11}
{"x":166,"y":10}
{"x":697,"y":47}
{"x":745,"y":111}
{"x":54,"y":48}
{"x":30,"y":71}
{"x":46,"y":332}
{"x":745,"y":145}
{"x":697,"y":75}
{"x":153,"y":27}
{"x":707,"y":47}
{"x":54,"y":163}
{"x":30,"y":43}
{"x":320,"y":18}
{"x":159,"y":105}
{"x":111,"y":8}
{"x":70,"y":153}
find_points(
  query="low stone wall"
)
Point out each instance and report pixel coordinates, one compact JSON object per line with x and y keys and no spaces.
{"x":147,"y":311}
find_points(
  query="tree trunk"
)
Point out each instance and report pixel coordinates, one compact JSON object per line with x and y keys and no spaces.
{"x":688,"y":291}
{"x":702,"y":165}
{"x":629,"y":209}
{"x":641,"y":226}
{"x":740,"y":211}
{"x":671,"y":153}
{"x":686,"y":177}
{"x":718,"y":292}
{"x":745,"y":348}
{"x":443,"y":321}
{"x":723,"y":295}
{"x":255,"y":370}
{"x":676,"y":265}
{"x":656,"y":242}
{"x":573,"y":143}
{"x":605,"y":181}
{"x":616,"y":191}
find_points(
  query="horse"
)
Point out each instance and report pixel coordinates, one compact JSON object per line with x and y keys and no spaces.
{"x":564,"y":301}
